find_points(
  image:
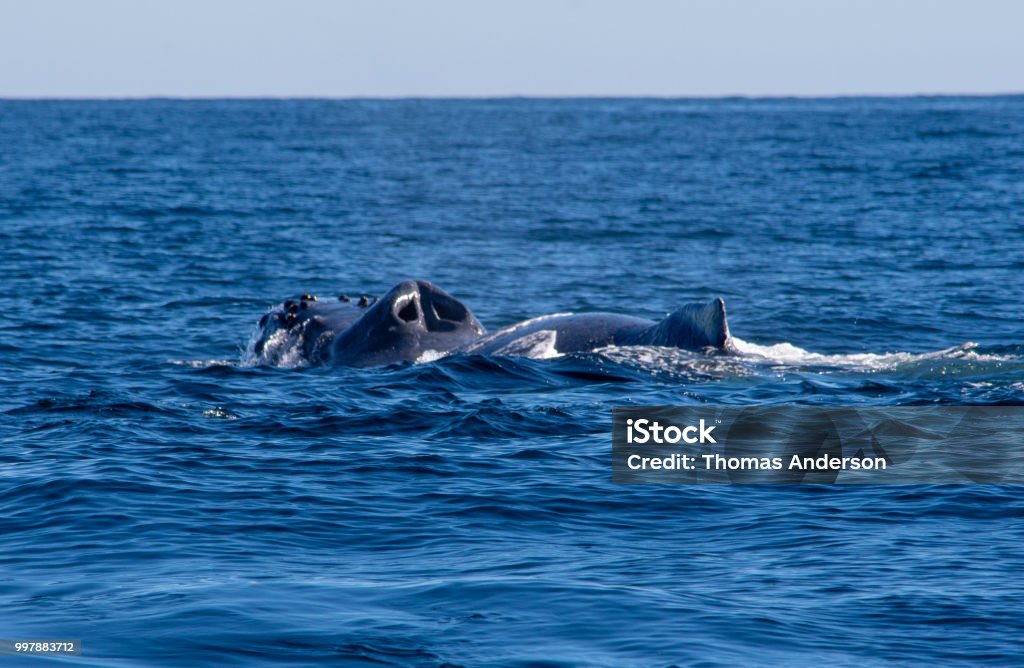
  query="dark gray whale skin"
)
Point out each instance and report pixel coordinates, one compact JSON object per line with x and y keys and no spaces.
{"x":417,"y":317}
{"x":694,"y":327}
{"x":414,"y":317}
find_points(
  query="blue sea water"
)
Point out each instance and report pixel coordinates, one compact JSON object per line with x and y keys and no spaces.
{"x":169,"y":502}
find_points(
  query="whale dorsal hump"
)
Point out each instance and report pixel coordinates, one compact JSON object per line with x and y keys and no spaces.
{"x":691,"y":327}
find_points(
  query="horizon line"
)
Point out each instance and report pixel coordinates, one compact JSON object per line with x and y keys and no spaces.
{"x":509,"y":96}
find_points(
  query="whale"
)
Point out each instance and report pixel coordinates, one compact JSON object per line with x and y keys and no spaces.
{"x":418,"y":321}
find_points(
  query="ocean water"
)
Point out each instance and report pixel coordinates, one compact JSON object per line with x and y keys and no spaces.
{"x":169,"y":502}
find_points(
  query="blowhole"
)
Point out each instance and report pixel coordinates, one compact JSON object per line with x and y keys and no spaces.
{"x":448,"y":309}
{"x":409,"y":312}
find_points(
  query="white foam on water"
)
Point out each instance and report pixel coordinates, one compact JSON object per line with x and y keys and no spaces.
{"x":786,"y":354}
{"x":203,"y":364}
{"x":789,"y":355}
{"x":220,"y":412}
{"x":749,"y":358}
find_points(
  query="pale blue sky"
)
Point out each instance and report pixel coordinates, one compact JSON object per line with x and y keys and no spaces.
{"x":341,"y":48}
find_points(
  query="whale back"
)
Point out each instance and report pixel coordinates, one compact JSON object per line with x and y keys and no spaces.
{"x":692,"y":327}
{"x":558,"y":334}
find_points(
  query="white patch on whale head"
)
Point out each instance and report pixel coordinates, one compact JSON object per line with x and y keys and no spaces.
{"x":283,"y":348}
{"x":430,"y":356}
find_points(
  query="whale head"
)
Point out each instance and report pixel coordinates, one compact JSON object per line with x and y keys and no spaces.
{"x":413,"y":319}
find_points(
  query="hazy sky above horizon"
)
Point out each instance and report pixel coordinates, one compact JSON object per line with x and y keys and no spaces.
{"x":340,"y":48}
